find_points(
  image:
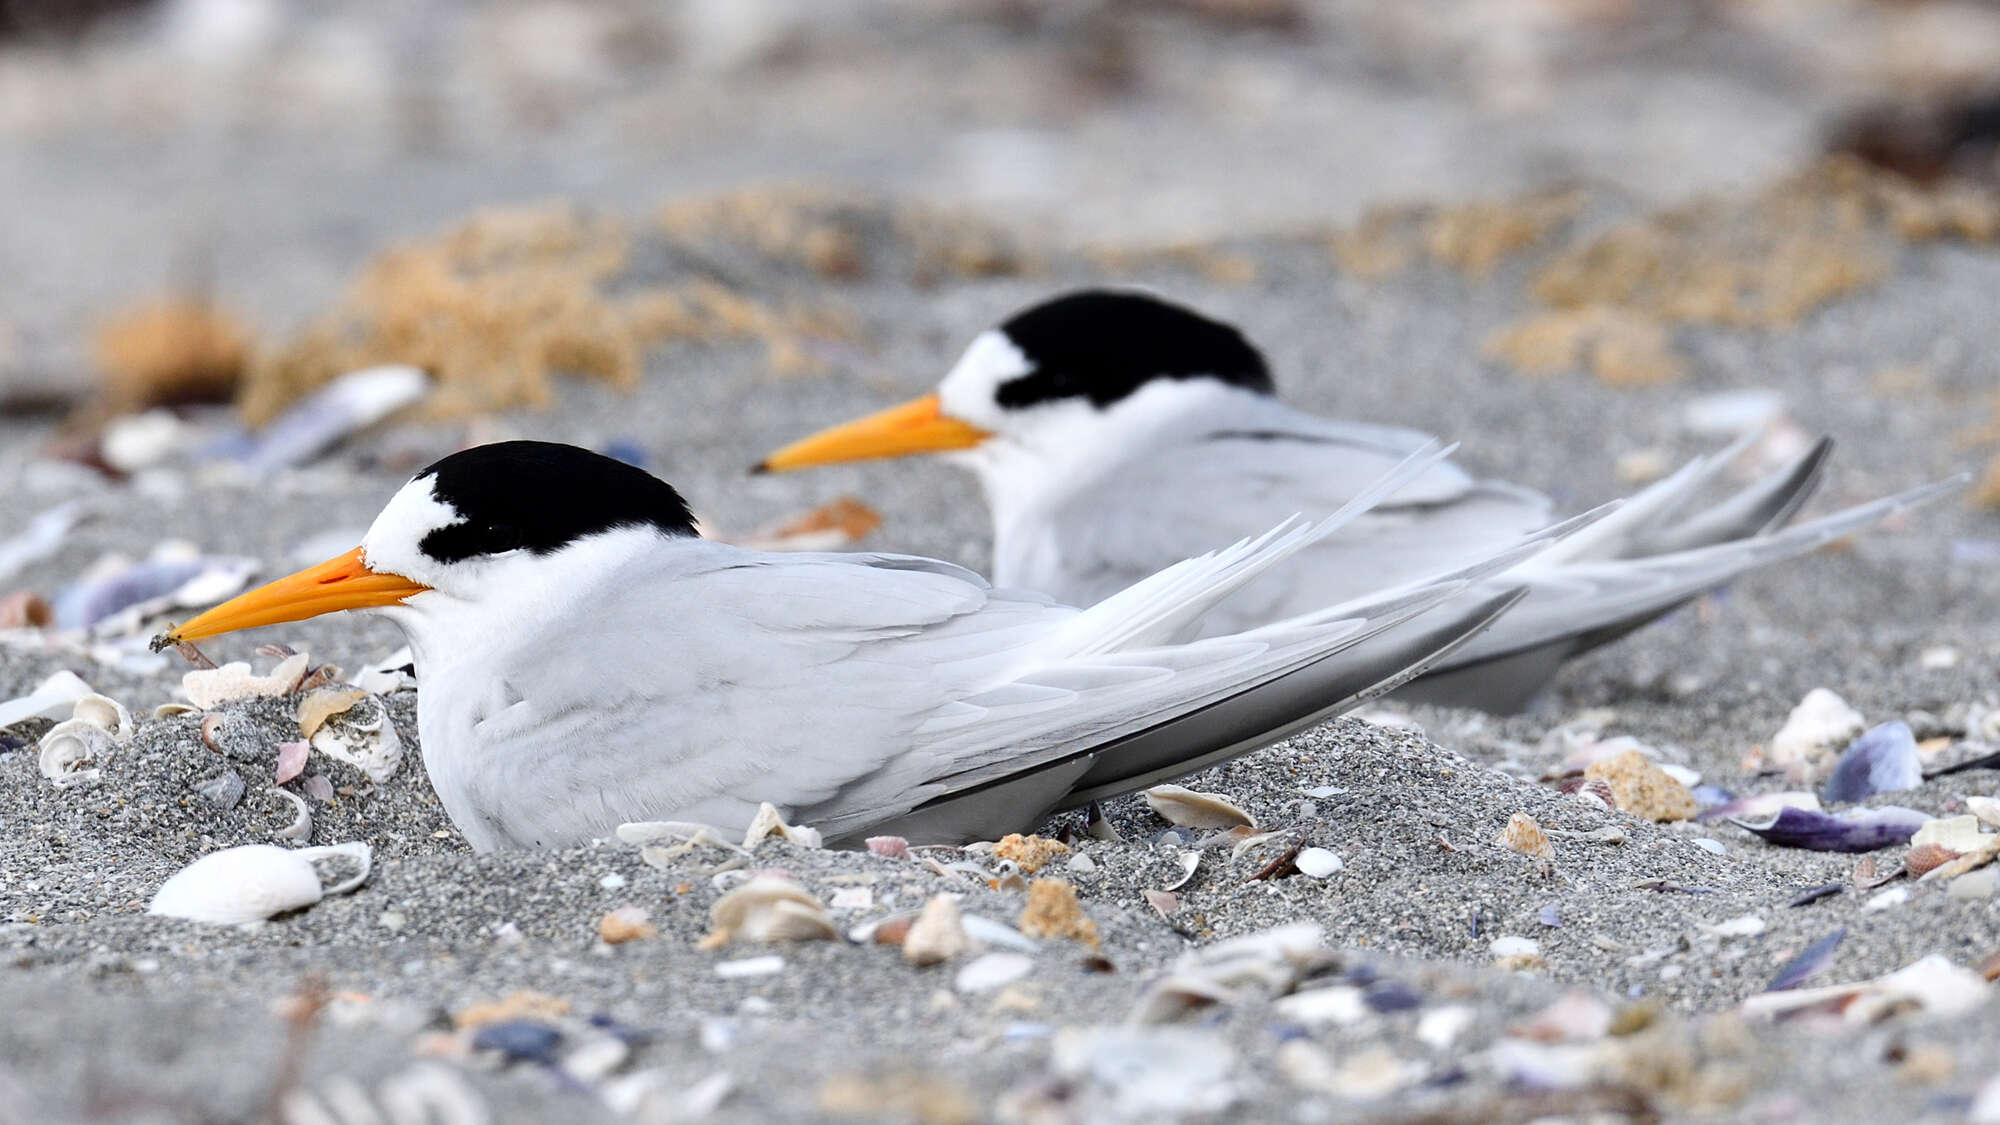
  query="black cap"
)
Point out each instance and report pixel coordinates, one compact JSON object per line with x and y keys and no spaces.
{"x":541,"y":496}
{"x":1105,"y":344}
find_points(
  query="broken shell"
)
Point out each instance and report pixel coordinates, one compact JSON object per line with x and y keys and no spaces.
{"x":254,"y":882}
{"x":768,"y":907}
{"x":627,"y":923}
{"x":1762,"y":805}
{"x":209,"y":688}
{"x":369,"y":744}
{"x":1189,"y":860}
{"x":1053,"y":911}
{"x":316,"y":707}
{"x":1857,"y":830}
{"x":315,"y":423}
{"x":1820,"y":722}
{"x":1186,"y":808}
{"x":991,"y":971}
{"x":1745,"y":925}
{"x":1164,"y":903}
{"x":169,"y":710}
{"x":1640,"y":787}
{"x":1097,"y":827}
{"x":938,"y":934}
{"x":291,"y":761}
{"x":69,"y":747}
{"x":48,"y":700}
{"x":890,"y":847}
{"x":301,"y":826}
{"x":106,"y":713}
{"x":1032,"y":853}
{"x":1883,"y":760}
{"x":1959,"y":833}
{"x":1316,"y":863}
{"x":1525,"y":836}
{"x":1515,"y":952}
{"x":1808,"y":963}
{"x":1985,"y":808}
{"x":768,"y":822}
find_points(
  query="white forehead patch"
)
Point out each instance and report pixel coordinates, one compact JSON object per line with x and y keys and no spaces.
{"x":969,"y":388}
{"x":392,"y":542}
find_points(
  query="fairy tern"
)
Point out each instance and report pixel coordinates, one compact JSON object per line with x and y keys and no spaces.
{"x":1114,"y":432}
{"x":584,"y":659}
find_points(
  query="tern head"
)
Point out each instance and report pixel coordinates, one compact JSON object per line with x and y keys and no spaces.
{"x":1052,"y":377}
{"x":513,"y":525}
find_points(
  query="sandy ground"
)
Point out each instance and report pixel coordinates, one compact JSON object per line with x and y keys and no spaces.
{"x":1403,"y":1014}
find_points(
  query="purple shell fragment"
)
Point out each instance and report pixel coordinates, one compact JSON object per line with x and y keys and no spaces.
{"x":1857,"y":830}
{"x":1813,"y":894}
{"x":1881,"y":760}
{"x":291,"y":760}
{"x":1760,"y":805}
{"x":1802,"y":968}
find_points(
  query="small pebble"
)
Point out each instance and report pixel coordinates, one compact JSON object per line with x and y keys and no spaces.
{"x":1894,"y":896}
{"x":1317,"y":863}
{"x":750,"y":967}
{"x":1712,"y":846}
{"x":992,"y":971}
{"x":519,"y":1040}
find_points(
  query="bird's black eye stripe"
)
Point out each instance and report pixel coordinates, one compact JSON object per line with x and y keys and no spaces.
{"x":1103,"y":345}
{"x":542,"y":496}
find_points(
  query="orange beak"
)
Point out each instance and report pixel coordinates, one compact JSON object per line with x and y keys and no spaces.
{"x":343,"y":582}
{"x":917,"y":426}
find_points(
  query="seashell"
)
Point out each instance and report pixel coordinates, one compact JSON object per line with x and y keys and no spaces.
{"x":106,"y":713}
{"x":1052,"y":911}
{"x":1986,"y":809}
{"x":1591,"y":790}
{"x":768,"y":965}
{"x":291,"y":761}
{"x":169,"y":710}
{"x":1746,"y":925}
{"x":301,"y":826}
{"x":1439,"y":1028}
{"x":991,"y":971}
{"x":69,"y":747}
{"x":1341,"y":1005}
{"x":890,"y":847}
{"x":370,"y":744}
{"x":1857,"y":830}
{"x":1514,"y":952}
{"x":1164,"y":903}
{"x":1578,"y":1017}
{"x":50,"y":698}
{"x":1933,"y":985}
{"x":254,"y":882}
{"x":938,"y":934}
{"x":893,"y":930}
{"x":1813,"y":894}
{"x":1883,"y":760}
{"x":117,"y":595}
{"x":1081,"y":864}
{"x":767,"y":822}
{"x":853,"y":898}
{"x":1097,"y":827}
{"x":1762,"y":805}
{"x":1959,"y":833}
{"x":626,"y":923}
{"x":1032,"y":853}
{"x":768,"y":907}
{"x":1710,"y":796}
{"x":209,"y":688}
{"x":986,"y":931}
{"x":223,"y":791}
{"x":1820,"y":722}
{"x":1179,"y":994}
{"x":1640,"y":787}
{"x":316,"y":707}
{"x":1189,"y":860}
{"x":1550,"y":916}
{"x":520,"y":1041}
{"x":392,"y":673}
{"x":318,"y":787}
{"x":1809,"y":963}
{"x":1976,"y":885}
{"x":1186,"y":808}
{"x":1525,"y":836}
{"x":1149,"y":1073}
{"x":595,"y":1059}
{"x":322,"y":419}
{"x":1894,"y":896}
{"x":1924,"y":857}
{"x":1711,"y":846}
{"x":1317,"y":863}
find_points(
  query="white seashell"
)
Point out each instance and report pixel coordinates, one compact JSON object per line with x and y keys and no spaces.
{"x":347,"y":403}
{"x":387,"y":674}
{"x":1339,"y":1006}
{"x":1185,"y":808}
{"x":1150,"y":1073}
{"x":750,"y":967}
{"x":1189,"y":860}
{"x":106,"y":713}
{"x":1179,"y":994}
{"x":369,"y":745}
{"x":1985,"y":808}
{"x":49,"y":699}
{"x":208,"y":688}
{"x":991,"y":971}
{"x":1820,"y":724}
{"x":169,"y":710}
{"x":770,"y":908}
{"x":254,"y":882}
{"x":1894,"y":896}
{"x":767,"y":822}
{"x":596,"y":1058}
{"x":1747,"y":925}
{"x":1513,"y":946}
{"x":1317,"y":863}
{"x":938,"y":934}
{"x":301,"y":826}
{"x":69,"y":747}
{"x":1959,"y":833}
{"x":986,"y":931}
{"x":1439,"y":1028}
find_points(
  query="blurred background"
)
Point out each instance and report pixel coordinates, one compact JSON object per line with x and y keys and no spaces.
{"x":256,"y":153}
